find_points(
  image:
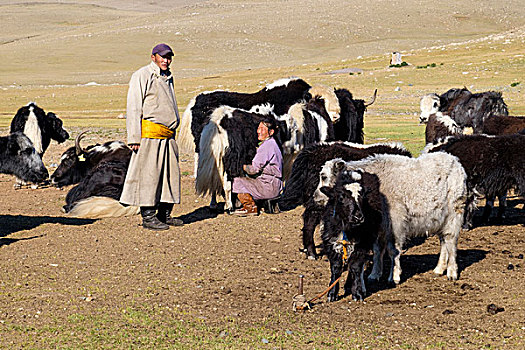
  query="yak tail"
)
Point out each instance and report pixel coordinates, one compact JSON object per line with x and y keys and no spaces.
{"x":185,"y":140}
{"x":101,"y":207}
{"x":213,"y":145}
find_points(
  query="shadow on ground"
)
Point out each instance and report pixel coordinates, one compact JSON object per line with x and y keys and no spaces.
{"x":415,"y":264}
{"x":13,"y":223}
{"x":202,"y":213}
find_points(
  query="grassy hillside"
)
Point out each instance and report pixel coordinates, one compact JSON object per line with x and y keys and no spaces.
{"x":76,"y":59}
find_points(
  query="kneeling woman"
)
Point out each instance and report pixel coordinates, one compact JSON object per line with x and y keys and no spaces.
{"x":264,"y":178}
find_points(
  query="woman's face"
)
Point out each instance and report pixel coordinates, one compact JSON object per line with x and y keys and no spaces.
{"x":263,"y":132}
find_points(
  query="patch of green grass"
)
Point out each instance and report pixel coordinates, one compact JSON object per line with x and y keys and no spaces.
{"x":402,"y":64}
{"x":431,"y":65}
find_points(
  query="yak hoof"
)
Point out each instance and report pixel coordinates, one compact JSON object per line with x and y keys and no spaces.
{"x":373,"y":278}
{"x":331,"y":297}
{"x":357,"y":297}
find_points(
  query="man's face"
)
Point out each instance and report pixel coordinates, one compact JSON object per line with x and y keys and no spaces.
{"x":162,"y":61}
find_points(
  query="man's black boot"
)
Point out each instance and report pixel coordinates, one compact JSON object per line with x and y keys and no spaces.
{"x":150,"y":221}
{"x":164,"y":215}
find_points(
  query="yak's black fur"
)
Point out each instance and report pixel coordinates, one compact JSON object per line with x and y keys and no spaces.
{"x":470,"y":110}
{"x":105,"y":180}
{"x":18,"y":157}
{"x":242,"y":139}
{"x":312,"y":134}
{"x":440,"y":126}
{"x":98,"y":170}
{"x":503,"y":125}
{"x":359,"y":220}
{"x":350,"y":125}
{"x":494,"y":165}
{"x":50,"y":125}
{"x":75,"y":165}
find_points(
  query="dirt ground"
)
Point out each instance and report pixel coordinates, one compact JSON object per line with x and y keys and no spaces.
{"x":221,"y":270}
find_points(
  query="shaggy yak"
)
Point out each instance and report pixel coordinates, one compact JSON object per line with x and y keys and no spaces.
{"x":464,"y":107}
{"x":99,"y":172}
{"x":304,"y":179}
{"x":40,"y":127}
{"x":439,"y":126}
{"x":424,"y":196}
{"x":494,"y":165}
{"x":275,"y":98}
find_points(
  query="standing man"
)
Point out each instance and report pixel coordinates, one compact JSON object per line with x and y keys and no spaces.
{"x":153,"y":178}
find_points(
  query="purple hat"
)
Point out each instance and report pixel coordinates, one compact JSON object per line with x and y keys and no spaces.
{"x":162,"y":49}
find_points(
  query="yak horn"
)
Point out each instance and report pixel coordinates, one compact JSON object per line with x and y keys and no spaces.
{"x":77,"y":142}
{"x":373,"y":99}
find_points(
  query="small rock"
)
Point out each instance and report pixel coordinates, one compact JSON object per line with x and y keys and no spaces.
{"x":520,"y":256}
{"x":288,"y":332}
{"x":466,"y":286}
{"x":493,"y":309}
{"x":223,"y":334}
{"x":510,"y":267}
{"x":448,"y":312}
{"x":389,"y":314}
{"x":265,"y":341}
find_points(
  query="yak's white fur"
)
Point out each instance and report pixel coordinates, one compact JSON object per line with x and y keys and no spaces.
{"x":211,"y":175}
{"x":32,"y":130}
{"x":101,"y":207}
{"x":354,"y":188}
{"x":429,"y":104}
{"x":185,"y":140}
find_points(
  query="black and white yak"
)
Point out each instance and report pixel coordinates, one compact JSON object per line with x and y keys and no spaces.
{"x":40,"y":127}
{"x":351,"y":223}
{"x":99,"y":172}
{"x":464,"y":107}
{"x":275,"y":98}
{"x":229,"y":140}
{"x":18,"y":157}
{"x":440,"y":126}
{"x":424,"y":196}
{"x":494,"y":165}
{"x":304,"y":179}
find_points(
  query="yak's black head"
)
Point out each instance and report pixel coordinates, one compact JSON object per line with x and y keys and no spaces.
{"x":21,"y":159}
{"x":345,"y":199}
{"x":74,"y":165}
{"x":54,"y":127}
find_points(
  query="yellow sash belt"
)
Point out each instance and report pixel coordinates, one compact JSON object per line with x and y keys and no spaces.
{"x":151,"y":130}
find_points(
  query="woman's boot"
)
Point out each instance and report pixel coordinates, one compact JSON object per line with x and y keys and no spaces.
{"x":248,"y":205}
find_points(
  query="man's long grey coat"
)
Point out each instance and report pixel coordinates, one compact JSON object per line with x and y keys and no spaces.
{"x":153,"y":174}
